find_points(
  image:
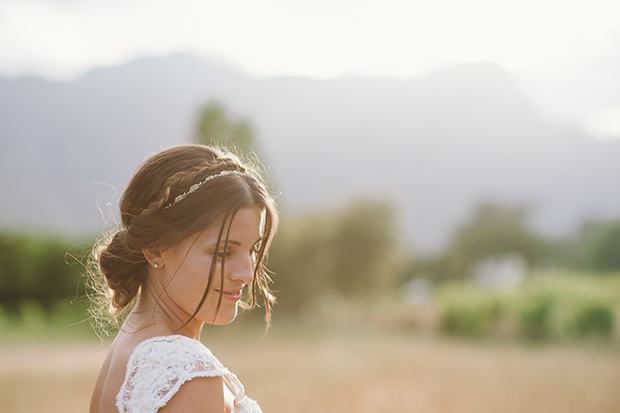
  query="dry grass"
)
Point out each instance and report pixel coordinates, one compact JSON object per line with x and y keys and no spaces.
{"x":349,"y":373}
{"x":48,"y":378}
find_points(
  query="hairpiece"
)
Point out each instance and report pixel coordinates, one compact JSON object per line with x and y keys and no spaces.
{"x":195,"y":187}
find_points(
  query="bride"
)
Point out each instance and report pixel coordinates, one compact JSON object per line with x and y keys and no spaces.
{"x":196,"y":226}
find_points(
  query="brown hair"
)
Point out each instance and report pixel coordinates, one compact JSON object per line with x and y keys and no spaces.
{"x":151,"y":219}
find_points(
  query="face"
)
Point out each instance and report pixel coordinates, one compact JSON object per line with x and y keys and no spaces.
{"x":185,"y":271}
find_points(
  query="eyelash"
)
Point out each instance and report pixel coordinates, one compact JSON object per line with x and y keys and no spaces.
{"x":226,"y":254}
{"x":223,"y":254}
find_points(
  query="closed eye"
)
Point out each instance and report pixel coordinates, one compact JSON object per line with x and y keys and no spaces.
{"x":223,"y":254}
{"x":256,"y":246}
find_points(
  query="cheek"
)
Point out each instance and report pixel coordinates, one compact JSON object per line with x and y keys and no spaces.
{"x":192,"y":280}
{"x":200,"y":273}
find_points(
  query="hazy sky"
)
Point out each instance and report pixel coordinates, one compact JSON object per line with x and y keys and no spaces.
{"x":61,"y":39}
{"x":554,"y":42}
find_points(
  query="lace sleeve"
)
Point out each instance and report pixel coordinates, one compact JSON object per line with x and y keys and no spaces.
{"x":159,"y":366}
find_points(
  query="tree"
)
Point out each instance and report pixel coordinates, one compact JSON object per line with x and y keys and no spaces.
{"x":13,"y":267}
{"x":355,"y":252}
{"x":214,"y":125}
{"x":364,"y":243}
{"x":602,"y":247}
{"x":35,"y":269}
{"x":493,"y":229}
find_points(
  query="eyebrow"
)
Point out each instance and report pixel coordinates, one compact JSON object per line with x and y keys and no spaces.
{"x":237,"y":243}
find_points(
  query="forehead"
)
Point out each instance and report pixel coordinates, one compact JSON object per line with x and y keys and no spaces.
{"x":246,"y":224}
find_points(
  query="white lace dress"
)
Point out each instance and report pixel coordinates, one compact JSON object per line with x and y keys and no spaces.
{"x":160,"y":365}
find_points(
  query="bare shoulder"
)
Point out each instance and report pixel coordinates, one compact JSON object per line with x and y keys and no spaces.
{"x":197,"y":394}
{"x":112,"y":374}
{"x":201,"y":394}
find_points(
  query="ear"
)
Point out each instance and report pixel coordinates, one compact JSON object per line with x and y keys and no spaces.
{"x":153,"y":256}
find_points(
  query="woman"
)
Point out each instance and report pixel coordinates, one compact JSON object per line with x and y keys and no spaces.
{"x":197,"y":224}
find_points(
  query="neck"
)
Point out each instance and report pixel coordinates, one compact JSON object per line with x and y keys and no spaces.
{"x":152,"y":313}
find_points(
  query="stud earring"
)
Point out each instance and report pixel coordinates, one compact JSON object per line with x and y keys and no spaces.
{"x":156,"y":265}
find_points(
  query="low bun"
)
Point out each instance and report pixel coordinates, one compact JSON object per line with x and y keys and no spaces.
{"x":124,"y":268}
{"x":152,"y":219}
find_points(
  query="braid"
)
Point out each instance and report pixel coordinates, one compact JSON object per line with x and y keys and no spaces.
{"x":119,"y":267}
{"x":178,"y":180}
{"x":184,"y":179}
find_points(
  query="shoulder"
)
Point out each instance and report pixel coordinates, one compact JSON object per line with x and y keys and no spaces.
{"x":201,"y":394}
{"x":159,"y":366}
{"x":175,"y":351}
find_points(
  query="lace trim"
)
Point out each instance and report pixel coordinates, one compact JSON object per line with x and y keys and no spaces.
{"x":159,"y":366}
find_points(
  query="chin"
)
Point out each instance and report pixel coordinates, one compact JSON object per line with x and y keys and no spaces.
{"x":224,"y":318}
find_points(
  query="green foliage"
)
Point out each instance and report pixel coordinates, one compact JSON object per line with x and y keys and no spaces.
{"x":354,"y":252}
{"x":534,"y":313}
{"x":469,"y":313}
{"x":31,"y":314}
{"x":363,"y":243}
{"x":214,"y":126}
{"x":13,"y":271}
{"x":35,"y":271}
{"x":592,"y":319}
{"x":492,"y":230}
{"x":65,"y":321}
{"x":298,"y":261}
{"x":566,"y":307}
{"x":602,"y":247}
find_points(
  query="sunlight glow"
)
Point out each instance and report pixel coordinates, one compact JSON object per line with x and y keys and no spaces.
{"x":604,"y":125}
{"x":322,"y":39}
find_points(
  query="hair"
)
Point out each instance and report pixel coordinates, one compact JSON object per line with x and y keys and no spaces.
{"x":151,"y":219}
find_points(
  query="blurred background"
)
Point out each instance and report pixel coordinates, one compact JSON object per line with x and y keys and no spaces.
{"x":447,"y":173}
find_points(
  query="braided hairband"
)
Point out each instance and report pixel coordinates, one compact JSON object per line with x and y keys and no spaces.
{"x":195,"y":187}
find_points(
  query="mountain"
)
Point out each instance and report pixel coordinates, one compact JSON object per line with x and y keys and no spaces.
{"x":435,"y":145}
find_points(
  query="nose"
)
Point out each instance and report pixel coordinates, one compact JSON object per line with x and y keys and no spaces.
{"x":243,"y":270}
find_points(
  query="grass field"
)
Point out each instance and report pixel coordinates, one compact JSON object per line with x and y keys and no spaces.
{"x":348,"y":372}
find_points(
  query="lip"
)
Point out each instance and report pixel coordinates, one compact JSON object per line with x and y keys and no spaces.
{"x":231,"y":295}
